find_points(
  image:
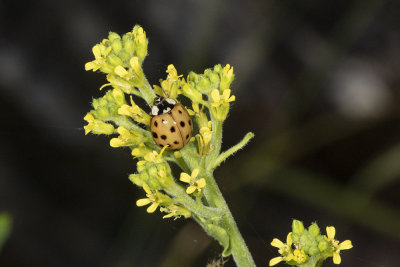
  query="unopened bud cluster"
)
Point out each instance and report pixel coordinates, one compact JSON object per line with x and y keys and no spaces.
{"x":308,"y":247}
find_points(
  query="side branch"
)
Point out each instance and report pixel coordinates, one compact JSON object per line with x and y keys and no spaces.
{"x":223,"y":156}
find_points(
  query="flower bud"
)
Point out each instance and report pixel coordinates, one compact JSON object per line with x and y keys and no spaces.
{"x":297,"y":227}
{"x":114,"y":60}
{"x":135,"y":178}
{"x":313,"y":229}
{"x":116,"y":45}
{"x":323,"y":245}
{"x":313,"y":250}
{"x":113,"y":36}
{"x":129,"y":46}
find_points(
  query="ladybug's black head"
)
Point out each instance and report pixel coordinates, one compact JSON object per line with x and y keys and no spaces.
{"x":162,"y":105}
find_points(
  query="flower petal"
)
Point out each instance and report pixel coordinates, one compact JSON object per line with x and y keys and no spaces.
{"x":336,"y":258}
{"x":195,"y":172}
{"x":330,"y":231}
{"x":277,"y":243}
{"x":215,"y":95}
{"x":289,"y":239}
{"x":190,"y":189}
{"x":142,"y":202}
{"x":201,"y":183}
{"x":152,"y":208}
{"x":146,"y":188}
{"x":275,"y":261}
{"x":185,"y":178}
{"x":345,"y":245}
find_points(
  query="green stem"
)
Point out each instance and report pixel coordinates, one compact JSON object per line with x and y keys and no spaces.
{"x":240,"y":252}
{"x":197,"y":208}
{"x":147,"y":92}
{"x":129,"y":125}
{"x":223,"y":156}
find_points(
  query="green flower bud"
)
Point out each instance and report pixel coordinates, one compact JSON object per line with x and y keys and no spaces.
{"x":193,"y":77}
{"x":116,"y":45}
{"x":192,"y":93}
{"x":323,"y":245}
{"x":297,"y":227}
{"x":129,"y":46}
{"x":218,"y":68}
{"x":295,"y":238}
{"x":113,"y":36}
{"x":313,"y":229}
{"x":214,"y":78}
{"x":107,"y":69}
{"x":135,"y":178}
{"x":204,"y":85}
{"x":114,"y":60}
{"x":124,"y":55}
{"x":313,"y":250}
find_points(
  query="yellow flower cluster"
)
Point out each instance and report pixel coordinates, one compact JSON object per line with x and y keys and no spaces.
{"x":301,"y":244}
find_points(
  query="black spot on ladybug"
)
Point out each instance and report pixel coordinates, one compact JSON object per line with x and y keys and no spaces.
{"x":180,"y":111}
{"x":190,"y":123}
{"x":182,"y":123}
{"x":176,"y":142}
{"x":172,"y":129}
{"x":155,"y":123}
{"x":169,"y":145}
{"x":163,"y":137}
{"x":187,"y":136}
{"x":154,"y":135}
{"x":160,"y":145}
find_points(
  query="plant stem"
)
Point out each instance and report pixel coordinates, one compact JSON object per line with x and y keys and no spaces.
{"x":240,"y":252}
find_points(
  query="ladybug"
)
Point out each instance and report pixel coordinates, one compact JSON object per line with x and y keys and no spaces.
{"x":170,"y":124}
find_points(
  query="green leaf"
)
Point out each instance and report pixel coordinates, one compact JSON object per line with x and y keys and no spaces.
{"x":221,"y":236}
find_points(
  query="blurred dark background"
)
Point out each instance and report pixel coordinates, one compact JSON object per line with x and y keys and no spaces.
{"x":317,"y":81}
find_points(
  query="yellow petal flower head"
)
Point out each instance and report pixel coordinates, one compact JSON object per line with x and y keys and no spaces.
{"x":196,"y":110}
{"x":135,"y":112}
{"x":194,"y":183}
{"x":100,"y":53}
{"x":153,"y":156}
{"x":285,"y":249}
{"x":175,"y":211}
{"x":97,"y":126}
{"x":125,"y":138}
{"x":299,"y":256}
{"x":172,"y":73}
{"x":219,"y":99}
{"x":151,"y":198}
{"x":172,"y":86}
{"x":140,"y":151}
{"x":330,"y":237}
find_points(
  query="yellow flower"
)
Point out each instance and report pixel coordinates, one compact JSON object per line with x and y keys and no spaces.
{"x":194,"y":183}
{"x":135,"y":112}
{"x":100,"y":57}
{"x":330,"y":237}
{"x":299,"y":256}
{"x":152,"y":157}
{"x":140,"y":151}
{"x":206,"y":133}
{"x":285,"y":249}
{"x":152,"y":198}
{"x":221,"y":99}
{"x":175,"y":211}
{"x":196,"y":110}
{"x":96,"y":126}
{"x":204,"y":139}
{"x":126,"y":138}
{"x":172,"y":73}
{"x":122,"y":72}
